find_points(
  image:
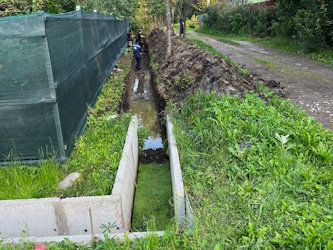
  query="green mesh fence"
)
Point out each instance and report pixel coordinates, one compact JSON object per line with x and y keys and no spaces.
{"x":51,"y":68}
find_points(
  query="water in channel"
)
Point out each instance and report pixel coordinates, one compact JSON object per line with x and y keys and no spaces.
{"x":152,"y":208}
{"x":143,"y":105}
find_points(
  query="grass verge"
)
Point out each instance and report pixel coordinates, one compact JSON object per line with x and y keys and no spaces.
{"x":24,"y":182}
{"x":259,"y":174}
{"x":96,"y":155}
{"x":324,"y":55}
{"x":214,"y":52}
{"x":153,"y":197}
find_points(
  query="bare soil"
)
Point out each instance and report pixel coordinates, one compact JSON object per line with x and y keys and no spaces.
{"x":306,"y":83}
{"x":189,"y":69}
{"x":129,"y":81}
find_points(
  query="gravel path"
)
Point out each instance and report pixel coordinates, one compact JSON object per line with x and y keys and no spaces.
{"x":309,"y":84}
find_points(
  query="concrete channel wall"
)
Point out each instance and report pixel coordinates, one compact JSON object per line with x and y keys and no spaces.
{"x":178,"y":190}
{"x":80,"y":216}
{"x":53,"y":219}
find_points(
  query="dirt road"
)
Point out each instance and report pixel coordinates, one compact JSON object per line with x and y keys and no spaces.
{"x":309,"y":84}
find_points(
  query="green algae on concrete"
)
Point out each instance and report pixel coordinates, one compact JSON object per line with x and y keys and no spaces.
{"x":153,"y":197}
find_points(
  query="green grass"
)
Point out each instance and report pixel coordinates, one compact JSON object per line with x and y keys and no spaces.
{"x":23,"y":182}
{"x":267,"y":63}
{"x":96,"y":155}
{"x":260,"y":174}
{"x":214,"y":52}
{"x":291,"y":46}
{"x":153,"y":197}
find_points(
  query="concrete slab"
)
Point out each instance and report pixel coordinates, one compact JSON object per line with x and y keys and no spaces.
{"x":176,"y":178}
{"x":125,"y":182}
{"x":52,"y":217}
{"x":84,"y":239}
{"x":28,"y":217}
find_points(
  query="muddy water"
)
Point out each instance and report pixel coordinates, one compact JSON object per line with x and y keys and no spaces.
{"x":143,"y":105}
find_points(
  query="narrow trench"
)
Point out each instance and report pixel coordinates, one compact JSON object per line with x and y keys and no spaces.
{"x":152,"y":208}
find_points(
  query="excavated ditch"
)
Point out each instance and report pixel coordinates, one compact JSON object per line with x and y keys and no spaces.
{"x":153,"y":194}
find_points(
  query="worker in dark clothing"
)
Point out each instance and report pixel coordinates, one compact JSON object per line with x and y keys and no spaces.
{"x":137,"y":54}
{"x":140,"y":39}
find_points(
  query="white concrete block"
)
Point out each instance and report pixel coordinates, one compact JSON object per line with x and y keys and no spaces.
{"x":83,"y":239}
{"x":33,"y":217}
{"x":74,"y":218}
{"x":53,"y":217}
{"x":125,"y":182}
{"x":176,"y":177}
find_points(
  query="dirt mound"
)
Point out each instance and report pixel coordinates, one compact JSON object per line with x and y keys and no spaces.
{"x":153,"y":155}
{"x":189,"y":69}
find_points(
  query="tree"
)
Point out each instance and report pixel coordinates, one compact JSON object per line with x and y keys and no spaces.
{"x":17,"y":7}
{"x":168,"y":21}
{"x":186,"y":9}
{"x":155,"y":9}
{"x":118,"y":8}
{"x":199,"y":6}
{"x":179,"y":8}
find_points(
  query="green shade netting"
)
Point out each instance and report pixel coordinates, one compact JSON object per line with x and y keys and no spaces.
{"x":51,"y":68}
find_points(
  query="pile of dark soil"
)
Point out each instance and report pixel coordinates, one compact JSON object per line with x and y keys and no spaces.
{"x":190,"y":69}
{"x":153,"y":155}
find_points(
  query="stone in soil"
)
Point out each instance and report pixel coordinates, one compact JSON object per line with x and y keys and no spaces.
{"x":69,"y":180}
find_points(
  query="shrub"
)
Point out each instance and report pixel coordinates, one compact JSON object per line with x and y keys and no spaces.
{"x":192,"y":22}
{"x":246,"y":19}
{"x":313,"y":25}
{"x":309,"y":21}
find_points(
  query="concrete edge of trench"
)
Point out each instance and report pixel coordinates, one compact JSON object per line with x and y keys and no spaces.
{"x":182,"y":208}
{"x":52,"y":214}
{"x":46,"y":218}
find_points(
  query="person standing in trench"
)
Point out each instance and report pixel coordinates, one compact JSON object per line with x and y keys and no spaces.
{"x":140,"y":39}
{"x":137,"y":54}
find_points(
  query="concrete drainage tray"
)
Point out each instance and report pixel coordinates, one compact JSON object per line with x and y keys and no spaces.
{"x":80,"y":219}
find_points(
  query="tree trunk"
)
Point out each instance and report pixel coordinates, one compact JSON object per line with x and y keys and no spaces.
{"x":172,"y":19}
{"x":155,"y":22}
{"x":168,"y":21}
{"x":184,"y":28}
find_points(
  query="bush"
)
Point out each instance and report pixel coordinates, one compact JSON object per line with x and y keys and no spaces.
{"x":193,"y":22}
{"x":313,"y":25}
{"x":246,"y":19}
{"x":309,"y":21}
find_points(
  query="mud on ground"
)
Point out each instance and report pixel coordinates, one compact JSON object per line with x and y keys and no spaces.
{"x":190,"y":69}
